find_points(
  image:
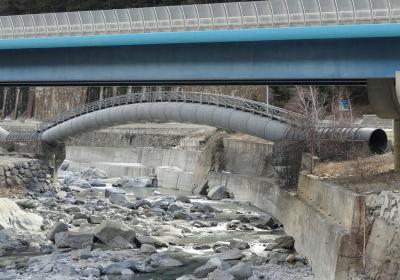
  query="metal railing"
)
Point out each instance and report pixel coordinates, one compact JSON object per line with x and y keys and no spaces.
{"x":254,"y":14}
{"x":236,"y":103}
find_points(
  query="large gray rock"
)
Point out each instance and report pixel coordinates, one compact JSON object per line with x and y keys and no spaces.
{"x":93,"y":173}
{"x":81,"y":183}
{"x":96,"y":219}
{"x":65,"y":165}
{"x":91,"y":271}
{"x":231,"y":254}
{"x":119,"y":242}
{"x":58,"y":227}
{"x":119,"y":199}
{"x":74,"y":240}
{"x":12,"y":217}
{"x":148,"y":249}
{"x":129,"y":182}
{"x":187,"y":277}
{"x":241,"y":271}
{"x":158,"y":260}
{"x":204,"y":270}
{"x":180,"y":215}
{"x":285,"y":242}
{"x":113,"y":190}
{"x":220,"y":275}
{"x":107,"y":231}
{"x":211,"y":265}
{"x":176,"y":206}
{"x":144,"y":239}
{"x":203,"y":208}
{"x":239,"y":244}
{"x":217,"y":193}
{"x":219,"y":263}
{"x":119,"y":267}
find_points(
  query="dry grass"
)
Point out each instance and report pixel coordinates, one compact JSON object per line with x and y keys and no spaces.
{"x":364,"y":174}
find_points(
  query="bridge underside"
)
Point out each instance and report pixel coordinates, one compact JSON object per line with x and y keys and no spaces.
{"x":331,"y":61}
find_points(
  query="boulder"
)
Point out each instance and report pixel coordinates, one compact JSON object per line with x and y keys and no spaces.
{"x":93,"y":173}
{"x":74,"y":240}
{"x":176,"y":206}
{"x":108,"y":230}
{"x":118,"y":267}
{"x":204,"y":270}
{"x":271,"y":246}
{"x":91,"y":271}
{"x":12,"y":217}
{"x":267,"y":223}
{"x":217,"y":193}
{"x":180,"y":215}
{"x":210,"y":266}
{"x":203,"y":208}
{"x":182,"y":198}
{"x":95,"y":219}
{"x":96,"y":182}
{"x":241,"y":271}
{"x":113,"y":190}
{"x":161,"y":202}
{"x":129,"y":182}
{"x":58,"y":227}
{"x":219,"y":263}
{"x":285,"y":242}
{"x":187,"y":277}
{"x":65,"y":165}
{"x":231,"y":254}
{"x":158,"y":260}
{"x":27,"y":203}
{"x":79,"y":222}
{"x":119,"y":199}
{"x":81,"y":183}
{"x":149,"y":240}
{"x":220,"y":275}
{"x":119,"y":242}
{"x":239,"y":244}
{"x":148,"y":249}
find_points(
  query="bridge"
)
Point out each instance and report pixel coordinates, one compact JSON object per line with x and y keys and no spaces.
{"x":274,"y":41}
{"x":237,"y":114}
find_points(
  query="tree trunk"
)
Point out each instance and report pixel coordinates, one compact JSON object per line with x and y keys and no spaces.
{"x":31,"y":102}
{"x":17,"y":94}
{"x":4,"y":103}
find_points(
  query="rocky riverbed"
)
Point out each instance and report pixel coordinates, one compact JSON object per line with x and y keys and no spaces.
{"x":94,"y":227}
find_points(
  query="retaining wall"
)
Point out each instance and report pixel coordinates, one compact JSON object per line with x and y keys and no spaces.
{"x":331,"y":248}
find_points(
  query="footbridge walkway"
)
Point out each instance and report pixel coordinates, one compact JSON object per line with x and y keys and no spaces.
{"x":227,"y":112}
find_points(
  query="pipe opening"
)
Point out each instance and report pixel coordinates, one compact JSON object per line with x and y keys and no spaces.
{"x":378,"y":142}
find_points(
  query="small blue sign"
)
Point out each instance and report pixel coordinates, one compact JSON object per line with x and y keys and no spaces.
{"x":345,"y":105}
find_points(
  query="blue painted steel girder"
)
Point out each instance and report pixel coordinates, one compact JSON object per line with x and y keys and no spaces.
{"x":321,"y":59}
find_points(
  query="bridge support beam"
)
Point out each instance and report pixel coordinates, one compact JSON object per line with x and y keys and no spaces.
{"x":384,"y":97}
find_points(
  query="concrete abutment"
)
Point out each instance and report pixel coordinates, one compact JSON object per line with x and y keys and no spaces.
{"x":384,"y":97}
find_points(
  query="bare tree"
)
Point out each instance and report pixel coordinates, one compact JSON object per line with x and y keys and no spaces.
{"x":310,"y":103}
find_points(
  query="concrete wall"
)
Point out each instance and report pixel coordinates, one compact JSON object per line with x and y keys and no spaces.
{"x":330,"y":247}
{"x":342,"y":206}
{"x":174,"y":167}
{"x":246,"y":157}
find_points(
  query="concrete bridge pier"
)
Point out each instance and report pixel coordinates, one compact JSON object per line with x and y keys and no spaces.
{"x":384,"y":97}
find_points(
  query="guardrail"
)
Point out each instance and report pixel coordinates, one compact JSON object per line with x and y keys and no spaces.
{"x":236,"y":103}
{"x":253,"y":14}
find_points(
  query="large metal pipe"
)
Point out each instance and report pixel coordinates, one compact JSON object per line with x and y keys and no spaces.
{"x":211,"y":115}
